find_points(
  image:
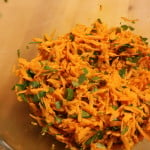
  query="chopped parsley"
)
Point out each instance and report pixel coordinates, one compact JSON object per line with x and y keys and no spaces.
{"x":23,"y":97}
{"x":49,"y":69}
{"x":114,"y":107}
{"x":122,"y":72}
{"x":126,"y":27}
{"x":58,"y":104}
{"x":115,"y":128}
{"x":144,"y":39}
{"x":96,"y":78}
{"x":85,"y":71}
{"x":73,"y":116}
{"x":51,"y":90}
{"x":35,"y":84}
{"x":30,"y":73}
{"x":22,"y":86}
{"x":71,"y":36}
{"x":85,"y":114}
{"x":124,"y":87}
{"x":97,"y":136}
{"x":69,"y":94}
{"x":133,"y":59}
{"x":124,"y":130}
{"x":75,"y":84}
{"x":124,"y":47}
{"x":82,"y":78}
{"x":58,"y":119}
{"x":94,"y":89}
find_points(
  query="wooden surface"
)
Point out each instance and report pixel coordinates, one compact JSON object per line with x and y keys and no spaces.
{"x":20,"y":21}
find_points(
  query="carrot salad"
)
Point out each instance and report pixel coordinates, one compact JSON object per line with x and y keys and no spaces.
{"x":90,"y":88}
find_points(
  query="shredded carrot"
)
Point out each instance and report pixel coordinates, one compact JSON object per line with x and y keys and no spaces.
{"x":89,"y":88}
{"x":129,"y":20}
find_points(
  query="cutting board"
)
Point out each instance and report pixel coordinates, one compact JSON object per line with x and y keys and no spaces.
{"x":22,"y":20}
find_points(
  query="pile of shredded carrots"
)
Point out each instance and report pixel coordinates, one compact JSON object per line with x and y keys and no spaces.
{"x":90,"y":88}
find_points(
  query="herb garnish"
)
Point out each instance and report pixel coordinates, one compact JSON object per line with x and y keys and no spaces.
{"x":97,"y":136}
{"x":71,"y":36}
{"x":124,"y":47}
{"x":124,"y":130}
{"x":122,"y":72}
{"x":85,"y":114}
{"x":58,"y":104}
{"x":69,"y":94}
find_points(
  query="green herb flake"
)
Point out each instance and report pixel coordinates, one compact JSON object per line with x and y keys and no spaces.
{"x":75,"y":84}
{"x":99,"y":145}
{"x":51,"y":90}
{"x":58,"y":104}
{"x":99,"y":20}
{"x":30,"y":73}
{"x":148,"y":84}
{"x":122,"y":72}
{"x":124,"y":27}
{"x":35,"y":98}
{"x":94,"y":90}
{"x":85,"y":114}
{"x":115,"y":128}
{"x":18,"y":53}
{"x":23,"y":97}
{"x":135,"y":67}
{"x":131,"y":28}
{"x":71,"y":36}
{"x":98,"y":135}
{"x":124,"y":47}
{"x":144,"y":39}
{"x":69,"y":94}
{"x":41,"y":94}
{"x":133,"y":59}
{"x":73,"y":116}
{"x":124,"y":130}
{"x":96,"y":78}
{"x":82,"y":78}
{"x":44,"y":130}
{"x":116,"y":119}
{"x":114,"y":107}
{"x":22,"y":86}
{"x":58,"y":119}
{"x":35,"y":42}
{"x":35,"y":84}
{"x":85,"y":71}
{"x":88,"y":34}
{"x":49,"y":69}
{"x":124,"y":87}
